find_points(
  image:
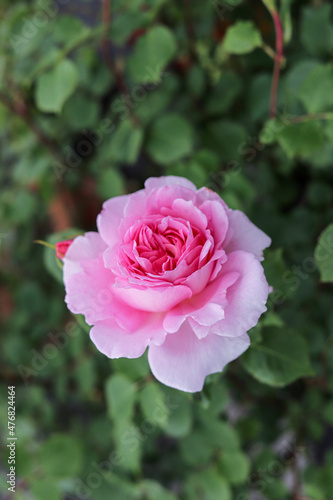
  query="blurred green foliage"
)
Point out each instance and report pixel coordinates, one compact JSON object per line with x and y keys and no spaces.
{"x":88,"y":110}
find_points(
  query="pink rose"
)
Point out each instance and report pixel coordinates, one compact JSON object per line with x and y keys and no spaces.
{"x":174,"y":269}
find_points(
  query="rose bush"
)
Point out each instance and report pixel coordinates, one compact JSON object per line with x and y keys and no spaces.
{"x":171,"y":268}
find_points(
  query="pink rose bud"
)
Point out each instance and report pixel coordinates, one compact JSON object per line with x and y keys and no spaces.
{"x":173,"y":269}
{"x":61,"y":248}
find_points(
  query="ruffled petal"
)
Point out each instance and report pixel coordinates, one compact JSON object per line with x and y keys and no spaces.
{"x":246,"y":297}
{"x":118,"y":214}
{"x":244,"y":235}
{"x":168,"y":180}
{"x":203,"y":194}
{"x":86,"y":247}
{"x":89,"y":291}
{"x":206,"y":308}
{"x":164,"y":197}
{"x":115,"y":342}
{"x":218,"y":221}
{"x":154,"y":298}
{"x":183,"y":361}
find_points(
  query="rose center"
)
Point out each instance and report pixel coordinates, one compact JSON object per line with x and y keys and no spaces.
{"x":154,"y":247}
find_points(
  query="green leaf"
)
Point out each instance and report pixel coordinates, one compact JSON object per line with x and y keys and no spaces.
{"x":120,"y":397}
{"x":275,"y":272}
{"x":259,"y":95}
{"x":242,"y":38}
{"x":324,"y":255}
{"x":196,"y":80}
{"x":326,"y":480}
{"x":134,"y":369}
{"x":153,"y":405}
{"x":152,"y":52}
{"x":223,"y":95}
{"x":192,"y":170}
{"x":316,"y":93}
{"x":180,"y":420}
{"x":195,"y":449}
{"x":61,"y":456}
{"x":170,"y":139}
{"x":128,"y":442}
{"x":80,"y":112}
{"x":301,"y":139}
{"x":85,"y":375}
{"x":151,"y":490}
{"x":314,"y":492}
{"x":110,"y":183}
{"x":280,"y":358}
{"x":56,"y":86}
{"x":46,"y":488}
{"x":123,"y":26}
{"x":70,"y":30}
{"x":126,"y":142}
{"x":221,"y":435}
{"x":286,"y":20}
{"x":207,"y":485}
{"x":293,"y":81}
{"x":227,"y":137}
{"x":317,"y":29}
{"x":235,"y":466}
{"x":328,"y":413}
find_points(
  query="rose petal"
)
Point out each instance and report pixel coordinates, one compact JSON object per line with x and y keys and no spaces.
{"x":115,"y":342}
{"x":244,"y":235}
{"x":246,"y":297}
{"x":203,"y":194}
{"x":168,"y":180}
{"x":82,"y":248}
{"x":118,"y":214}
{"x":165,"y":196}
{"x":154,"y":299}
{"x":206,"y":308}
{"x":217,"y":220}
{"x":183,"y":361}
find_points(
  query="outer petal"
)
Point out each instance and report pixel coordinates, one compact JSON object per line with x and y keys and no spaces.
{"x":218,"y":221}
{"x":115,"y":342}
{"x":89,"y":285}
{"x":183,"y":361}
{"x":244,"y":235}
{"x":206,"y":308}
{"x":246,"y":297}
{"x":169,"y":180}
{"x":89,"y":291}
{"x":203,"y":194}
{"x":154,"y":299}
{"x":164,"y":196}
{"x":129,"y":206}
{"x":82,"y":248}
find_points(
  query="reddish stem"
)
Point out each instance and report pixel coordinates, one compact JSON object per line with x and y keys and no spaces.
{"x":277,"y":63}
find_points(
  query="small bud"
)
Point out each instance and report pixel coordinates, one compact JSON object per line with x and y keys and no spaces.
{"x":61,"y":248}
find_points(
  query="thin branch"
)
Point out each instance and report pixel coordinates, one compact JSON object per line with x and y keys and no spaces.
{"x":310,"y":117}
{"x":189,"y":26}
{"x":109,"y":61}
{"x":277,"y":63}
{"x":20,"y":109}
{"x":279,"y":56}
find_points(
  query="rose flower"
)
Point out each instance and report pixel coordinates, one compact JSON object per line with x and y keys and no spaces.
{"x":171,"y":268}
